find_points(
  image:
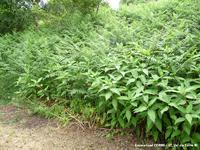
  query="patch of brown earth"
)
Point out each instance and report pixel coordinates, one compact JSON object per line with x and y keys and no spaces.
{"x":21,"y":131}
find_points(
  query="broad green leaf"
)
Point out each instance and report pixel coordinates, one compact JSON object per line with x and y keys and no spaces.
{"x":151,"y":91}
{"x":174,"y":105}
{"x":173,"y":91}
{"x":134,"y":73}
{"x":115,"y":90}
{"x":108,"y":69}
{"x":158,"y":124}
{"x":181,"y":119}
{"x":192,"y":88}
{"x":128,"y":115}
{"x":155,"y":77}
{"x":189,"y":108}
{"x":115,"y":103}
{"x":149,"y":124}
{"x":118,"y":78}
{"x":152,"y":115}
{"x":123,"y":98}
{"x":117,"y":66}
{"x":108,"y":95}
{"x":121,"y":122}
{"x":187,"y":128}
{"x":166,"y":120}
{"x":143,"y":79}
{"x":122,"y":102}
{"x":130,"y":81}
{"x":146,"y":98}
{"x":160,"y":71}
{"x":140,"y":109}
{"x":191,"y":96}
{"x":180,"y":108}
{"x":134,"y":104}
{"x":168,"y":132}
{"x":123,"y":73}
{"x":155,"y":135}
{"x":139,"y":84}
{"x":152,"y":102}
{"x":113,"y":122}
{"x":196,"y":137}
{"x":111,"y":111}
{"x":164,"y":97}
{"x":195,"y":116}
{"x":40,"y":79}
{"x":139,"y":91}
{"x":164,"y":110}
{"x":182,"y":90}
{"x":111,"y":76}
{"x":104,"y":87}
{"x":189,"y":118}
{"x":146,"y":71}
{"x":175,"y":133}
{"x":134,"y":121}
{"x":185,"y":138}
{"x":163,"y":83}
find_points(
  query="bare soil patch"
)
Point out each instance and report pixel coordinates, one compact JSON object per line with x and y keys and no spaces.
{"x":21,"y":131}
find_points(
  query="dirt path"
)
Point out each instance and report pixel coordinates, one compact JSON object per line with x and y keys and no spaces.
{"x":21,"y":131}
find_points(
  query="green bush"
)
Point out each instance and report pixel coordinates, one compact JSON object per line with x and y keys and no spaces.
{"x":14,"y":15}
{"x":83,"y":6}
{"x":138,"y":68}
{"x":86,"y":6}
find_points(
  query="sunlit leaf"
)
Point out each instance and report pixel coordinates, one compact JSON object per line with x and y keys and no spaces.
{"x":115,"y":103}
{"x":128,"y":115}
{"x":152,"y":115}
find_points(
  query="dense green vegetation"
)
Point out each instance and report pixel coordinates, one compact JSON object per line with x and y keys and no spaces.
{"x":137,"y":68}
{"x":14,"y":15}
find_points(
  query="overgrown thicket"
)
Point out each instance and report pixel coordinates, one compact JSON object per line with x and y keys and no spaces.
{"x":138,"y":68}
{"x":15,"y":15}
{"x":69,"y":6}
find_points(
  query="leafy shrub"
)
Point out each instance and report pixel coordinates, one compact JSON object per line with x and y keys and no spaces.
{"x":14,"y":15}
{"x":83,"y":6}
{"x":86,"y":6}
{"x":135,"y":1}
{"x":136,"y":69}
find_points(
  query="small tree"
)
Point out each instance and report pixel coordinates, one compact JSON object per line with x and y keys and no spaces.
{"x":84,"y":6}
{"x":15,"y":15}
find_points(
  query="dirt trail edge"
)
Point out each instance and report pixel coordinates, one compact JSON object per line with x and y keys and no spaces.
{"x":21,"y":131}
